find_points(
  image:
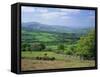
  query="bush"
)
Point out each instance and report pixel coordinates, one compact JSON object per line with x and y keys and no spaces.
{"x":61,"y":47}
{"x":45,"y":58}
{"x":37,"y":47}
{"x":53,"y":58}
{"x":25,"y":47}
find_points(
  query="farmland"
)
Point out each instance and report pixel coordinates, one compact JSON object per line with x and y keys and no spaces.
{"x":54,"y":48}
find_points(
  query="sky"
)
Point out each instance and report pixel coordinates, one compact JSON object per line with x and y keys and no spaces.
{"x":58,"y":16}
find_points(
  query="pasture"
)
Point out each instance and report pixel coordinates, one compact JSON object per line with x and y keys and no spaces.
{"x":61,"y":61}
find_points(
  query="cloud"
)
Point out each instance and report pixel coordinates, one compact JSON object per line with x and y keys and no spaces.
{"x":34,"y":9}
{"x":59,"y":13}
{"x":42,"y":10}
{"x":56,"y":16}
{"x":51,"y":16}
{"x":70,"y":11}
{"x":45,"y":14}
{"x":27,"y":9}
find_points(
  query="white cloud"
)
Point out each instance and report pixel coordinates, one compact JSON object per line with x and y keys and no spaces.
{"x":50,"y":15}
{"x":27,"y":9}
{"x":53,"y":15}
{"x":34,"y":9}
{"x":67,"y":17}
{"x":42,"y":10}
{"x":70,"y":11}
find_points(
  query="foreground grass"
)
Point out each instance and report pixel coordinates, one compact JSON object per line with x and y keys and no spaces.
{"x":41,"y":54}
{"x":28,"y":64}
{"x":61,"y":61}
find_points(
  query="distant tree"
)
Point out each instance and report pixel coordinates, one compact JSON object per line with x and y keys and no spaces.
{"x":37,"y":47}
{"x":60,"y":48}
{"x":70,"y":50}
{"x":25,"y":47}
{"x":42,"y":46}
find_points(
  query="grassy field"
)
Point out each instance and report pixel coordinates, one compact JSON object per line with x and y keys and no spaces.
{"x":41,"y":54}
{"x":61,"y":61}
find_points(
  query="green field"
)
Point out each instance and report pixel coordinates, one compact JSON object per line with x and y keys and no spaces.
{"x":52,"y":50}
{"x":28,"y":54}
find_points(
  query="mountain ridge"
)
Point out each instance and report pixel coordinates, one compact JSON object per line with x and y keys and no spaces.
{"x":36,"y":26}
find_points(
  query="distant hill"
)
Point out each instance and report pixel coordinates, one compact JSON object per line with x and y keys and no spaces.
{"x":35,"y":26}
{"x":34,"y":31}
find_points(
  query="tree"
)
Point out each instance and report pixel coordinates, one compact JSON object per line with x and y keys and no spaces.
{"x":25,"y":47}
{"x":60,"y":48}
{"x":70,"y":50}
{"x":86,"y":46}
{"x":38,"y":47}
{"x":42,"y":46}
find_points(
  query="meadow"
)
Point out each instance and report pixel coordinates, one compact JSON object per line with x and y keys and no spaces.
{"x":61,"y":61}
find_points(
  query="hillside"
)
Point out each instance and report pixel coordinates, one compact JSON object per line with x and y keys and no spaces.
{"x":35,"y":26}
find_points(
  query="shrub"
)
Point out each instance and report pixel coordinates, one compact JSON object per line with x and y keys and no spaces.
{"x":53,"y":58}
{"x":37,"y":46}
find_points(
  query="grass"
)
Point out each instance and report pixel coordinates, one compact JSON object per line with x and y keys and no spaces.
{"x":61,"y":61}
{"x":41,"y":53}
{"x":28,"y":64}
{"x":40,"y":36}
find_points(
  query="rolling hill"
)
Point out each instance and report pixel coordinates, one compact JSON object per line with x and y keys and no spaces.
{"x":34,"y":31}
{"x":35,"y":26}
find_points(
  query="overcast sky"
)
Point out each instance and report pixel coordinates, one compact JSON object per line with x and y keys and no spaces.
{"x":58,"y":16}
